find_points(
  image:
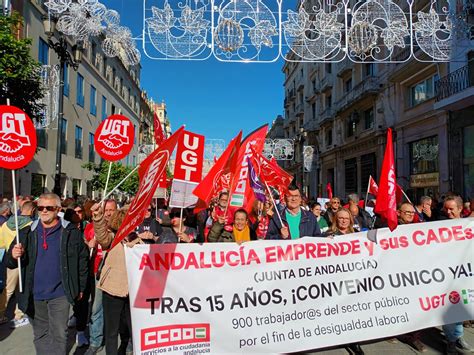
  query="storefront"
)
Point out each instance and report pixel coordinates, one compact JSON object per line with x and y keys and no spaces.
{"x":424,"y":167}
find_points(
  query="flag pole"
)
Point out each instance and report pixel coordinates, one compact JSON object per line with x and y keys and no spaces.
{"x":107,"y":180}
{"x":274,"y":203}
{"x":367,"y":193}
{"x":230,"y":189}
{"x":404,"y":194}
{"x":15,"y":207}
{"x":118,"y":185}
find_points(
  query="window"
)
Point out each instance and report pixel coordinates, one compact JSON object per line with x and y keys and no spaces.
{"x":313,"y":109}
{"x":328,"y":137}
{"x":93,"y":103}
{"x":43,"y":52}
{"x":80,"y":90}
{"x":350,"y":171}
{"x":348,"y":85}
{"x":66,"y":80}
{"x":78,"y":143}
{"x":328,"y":68}
{"x":104,"y":107}
{"x":328,"y":101}
{"x":113,"y":109}
{"x":368,"y":69}
{"x":135,"y":135}
{"x":91,"y":148}
{"x":369,"y":118}
{"x":76,"y":187}
{"x":422,"y":91}
{"x":41,"y":138}
{"x":350,"y":126}
{"x":38,"y":184}
{"x":424,"y":156}
{"x":93,"y":52}
{"x":63,"y":142}
{"x":368,"y":166}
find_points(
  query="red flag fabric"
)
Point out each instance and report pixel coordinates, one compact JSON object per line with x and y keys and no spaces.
{"x":212,"y":183}
{"x":150,"y":171}
{"x":271,"y":173}
{"x":158,"y":130}
{"x":387,"y":195}
{"x":241,"y":194}
{"x":329,"y":190}
{"x":373,"y":187}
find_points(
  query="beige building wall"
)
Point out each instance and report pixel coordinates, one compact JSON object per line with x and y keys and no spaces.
{"x":120,"y":87}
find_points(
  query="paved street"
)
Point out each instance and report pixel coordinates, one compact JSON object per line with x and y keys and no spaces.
{"x":19,"y":341}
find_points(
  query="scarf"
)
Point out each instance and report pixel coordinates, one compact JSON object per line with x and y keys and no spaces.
{"x":241,"y":236}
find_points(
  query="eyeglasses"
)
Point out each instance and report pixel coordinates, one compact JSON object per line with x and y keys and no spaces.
{"x":47,"y":208}
{"x":78,"y":211}
{"x":294,"y":197}
{"x":149,"y":209}
{"x":408,"y":212}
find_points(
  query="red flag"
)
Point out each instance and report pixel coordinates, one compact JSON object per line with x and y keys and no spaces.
{"x":211,"y":185}
{"x":149,"y":172}
{"x":329,"y":190}
{"x":387,"y":200}
{"x":241,"y":194}
{"x":158,"y":130}
{"x":373,"y":187}
{"x":271,"y":173}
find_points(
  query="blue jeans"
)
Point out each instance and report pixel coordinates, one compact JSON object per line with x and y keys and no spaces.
{"x":96,"y":323}
{"x":453,"y":331}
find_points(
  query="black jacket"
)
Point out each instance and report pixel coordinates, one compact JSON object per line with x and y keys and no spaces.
{"x":74,"y":262}
{"x":309,"y":226}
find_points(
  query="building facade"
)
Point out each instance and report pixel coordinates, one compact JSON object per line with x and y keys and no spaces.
{"x":100,"y":87}
{"x":343,"y":111}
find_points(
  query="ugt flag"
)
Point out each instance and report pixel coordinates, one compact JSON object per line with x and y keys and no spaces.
{"x":386,"y":205}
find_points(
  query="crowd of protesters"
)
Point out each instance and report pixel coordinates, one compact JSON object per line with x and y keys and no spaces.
{"x":64,"y":258}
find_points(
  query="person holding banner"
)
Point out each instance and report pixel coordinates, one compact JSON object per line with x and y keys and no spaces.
{"x":454,"y":332}
{"x":54,"y":272}
{"x":112,"y":282}
{"x":293,"y":222}
{"x":238,"y":232}
{"x":342,"y":223}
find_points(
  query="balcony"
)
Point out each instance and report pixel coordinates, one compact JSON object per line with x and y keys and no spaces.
{"x":299,"y":110}
{"x":311,"y":125}
{"x":369,"y":86}
{"x":456,"y":90}
{"x":326,"y":115}
{"x":344,"y":67}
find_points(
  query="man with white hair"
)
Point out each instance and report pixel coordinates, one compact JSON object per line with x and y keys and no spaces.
{"x":54,"y":260}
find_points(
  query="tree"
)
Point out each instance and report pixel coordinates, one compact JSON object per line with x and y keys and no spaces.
{"x":117,"y":173}
{"x":20,"y":79}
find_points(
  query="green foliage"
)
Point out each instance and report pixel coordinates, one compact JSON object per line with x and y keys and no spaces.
{"x":117,"y":173}
{"x":19,"y":72}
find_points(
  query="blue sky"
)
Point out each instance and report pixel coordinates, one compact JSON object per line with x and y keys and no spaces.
{"x":212,"y":98}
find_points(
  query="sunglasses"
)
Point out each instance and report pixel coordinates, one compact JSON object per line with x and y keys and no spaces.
{"x":47,"y":208}
{"x":149,"y":209}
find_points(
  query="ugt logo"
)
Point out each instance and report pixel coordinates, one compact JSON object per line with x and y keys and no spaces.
{"x":114,"y":133}
{"x":12,"y":132}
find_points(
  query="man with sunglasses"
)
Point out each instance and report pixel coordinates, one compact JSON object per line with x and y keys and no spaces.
{"x":54,"y":269}
{"x":149,"y":230}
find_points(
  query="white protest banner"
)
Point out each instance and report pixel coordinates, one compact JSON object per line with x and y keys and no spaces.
{"x":187,"y":170}
{"x":287,"y":296}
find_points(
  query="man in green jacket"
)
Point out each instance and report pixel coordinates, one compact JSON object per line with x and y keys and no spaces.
{"x":54,"y":270}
